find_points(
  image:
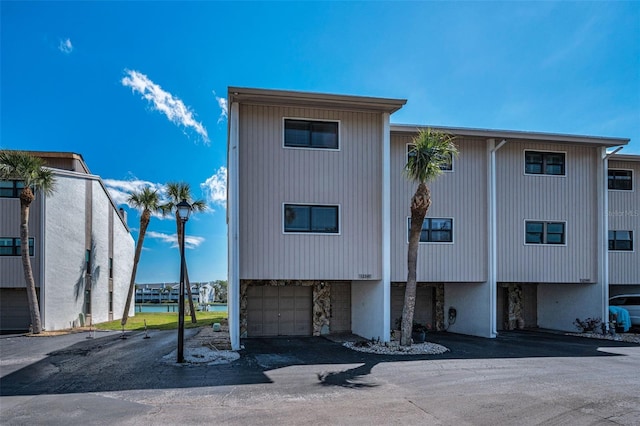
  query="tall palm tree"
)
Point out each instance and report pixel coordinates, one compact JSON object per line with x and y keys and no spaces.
{"x":178,"y":191}
{"x":25,"y":168}
{"x":429,"y":152}
{"x":149,"y":201}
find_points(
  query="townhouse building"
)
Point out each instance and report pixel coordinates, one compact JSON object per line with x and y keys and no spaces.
{"x":80,"y":247}
{"x":318,"y":216}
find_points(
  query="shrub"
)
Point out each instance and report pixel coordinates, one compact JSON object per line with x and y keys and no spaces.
{"x":588,"y":324}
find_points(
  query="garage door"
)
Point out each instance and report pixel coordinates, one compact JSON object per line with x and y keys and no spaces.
{"x":14,"y":310}
{"x":340,"y":307}
{"x":279,"y":311}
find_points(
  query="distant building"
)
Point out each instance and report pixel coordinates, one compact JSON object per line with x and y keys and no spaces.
{"x":170,"y":293}
{"x":80,"y":247}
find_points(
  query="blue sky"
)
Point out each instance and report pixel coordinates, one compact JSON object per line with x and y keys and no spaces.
{"x":139,"y":89}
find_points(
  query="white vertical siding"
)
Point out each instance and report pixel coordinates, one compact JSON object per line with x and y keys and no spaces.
{"x":460,"y":195}
{"x":624,"y":215}
{"x":571,"y":199}
{"x":272,"y":175}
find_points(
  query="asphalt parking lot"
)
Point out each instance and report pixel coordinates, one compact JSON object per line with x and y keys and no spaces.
{"x":520,"y":377}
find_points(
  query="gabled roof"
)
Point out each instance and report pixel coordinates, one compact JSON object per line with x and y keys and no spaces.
{"x":513,"y":135}
{"x":311,"y":99}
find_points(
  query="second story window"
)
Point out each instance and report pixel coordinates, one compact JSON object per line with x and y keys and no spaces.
{"x":434,"y":230}
{"x":544,"y":163}
{"x":621,"y":240}
{"x":314,"y":219}
{"x":12,"y":247}
{"x":310,"y":134}
{"x":87,"y":259}
{"x":10,"y":188}
{"x":545,"y":232}
{"x":621,"y":180}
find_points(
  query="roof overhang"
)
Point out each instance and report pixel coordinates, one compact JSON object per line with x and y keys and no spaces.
{"x":512,"y":135}
{"x":312,"y":99}
{"x":625,"y":157}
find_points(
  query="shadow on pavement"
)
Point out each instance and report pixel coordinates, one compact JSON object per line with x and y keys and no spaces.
{"x":111,"y":364}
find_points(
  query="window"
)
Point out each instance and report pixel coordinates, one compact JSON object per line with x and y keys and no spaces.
{"x":621,"y":240}
{"x":11,"y":188}
{"x":434,"y":230}
{"x":312,"y":219}
{"x":111,"y":267}
{"x":446,"y":167}
{"x":545,"y":232}
{"x":12,"y":247}
{"x":544,"y":163}
{"x":621,"y":180}
{"x":87,"y":258}
{"x":311,"y":134}
{"x":110,"y":301}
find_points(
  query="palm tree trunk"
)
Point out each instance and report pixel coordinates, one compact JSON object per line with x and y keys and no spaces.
{"x":32,"y":296}
{"x":420,"y":203}
{"x":144,"y":223}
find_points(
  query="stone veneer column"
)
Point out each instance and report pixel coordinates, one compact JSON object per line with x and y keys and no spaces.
{"x":439,"y":312}
{"x":321,"y":308}
{"x":243,"y":307}
{"x":516,"y":319}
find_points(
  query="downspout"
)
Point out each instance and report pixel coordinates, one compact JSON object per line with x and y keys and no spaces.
{"x":233,"y":234}
{"x":493,"y":237}
{"x":42,"y":252}
{"x":386,"y":226}
{"x":603,"y":223}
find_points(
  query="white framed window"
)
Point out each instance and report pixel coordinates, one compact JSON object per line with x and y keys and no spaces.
{"x":545,"y":163}
{"x":437,"y":230}
{"x":540,"y":232}
{"x":447,"y":167}
{"x":311,"y":219}
{"x":621,"y":240}
{"x":307,"y":133}
{"x":620,"y":180}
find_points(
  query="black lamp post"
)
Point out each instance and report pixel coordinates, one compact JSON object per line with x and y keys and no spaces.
{"x":184,"y":210}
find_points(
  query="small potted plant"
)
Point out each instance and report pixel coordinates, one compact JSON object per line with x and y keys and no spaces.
{"x":419,"y":332}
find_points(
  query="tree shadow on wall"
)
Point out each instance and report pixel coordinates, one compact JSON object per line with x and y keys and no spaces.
{"x":88,"y":270}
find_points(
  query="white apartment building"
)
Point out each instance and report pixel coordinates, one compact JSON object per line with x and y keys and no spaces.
{"x":81,"y":250}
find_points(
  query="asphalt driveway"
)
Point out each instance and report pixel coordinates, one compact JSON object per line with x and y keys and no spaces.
{"x":520,"y":377}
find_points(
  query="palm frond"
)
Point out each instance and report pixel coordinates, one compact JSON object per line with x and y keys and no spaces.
{"x":430,"y":150}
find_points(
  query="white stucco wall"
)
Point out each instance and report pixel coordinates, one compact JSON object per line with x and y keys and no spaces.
{"x":64,"y":270}
{"x":560,"y":304}
{"x":367,"y":309}
{"x":472,"y":303}
{"x":64,"y":241}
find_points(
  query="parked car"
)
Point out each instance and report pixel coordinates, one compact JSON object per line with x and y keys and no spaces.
{"x":630,"y":302}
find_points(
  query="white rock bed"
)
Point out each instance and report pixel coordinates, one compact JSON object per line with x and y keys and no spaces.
{"x":394,"y":348}
{"x":619,"y":337}
{"x":203,"y":355}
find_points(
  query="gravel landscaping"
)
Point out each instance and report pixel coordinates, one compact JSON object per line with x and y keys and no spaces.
{"x":394,"y":348}
{"x":618,"y":337}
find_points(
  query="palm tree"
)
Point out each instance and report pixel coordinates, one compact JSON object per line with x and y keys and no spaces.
{"x":149,"y":201}
{"x":178,"y":191}
{"x":25,"y":168}
{"x":429,"y":152}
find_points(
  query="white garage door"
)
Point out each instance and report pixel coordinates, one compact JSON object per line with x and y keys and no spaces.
{"x":279,"y":311}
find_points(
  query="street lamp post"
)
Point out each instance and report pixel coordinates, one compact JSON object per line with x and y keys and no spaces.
{"x":184,"y":210}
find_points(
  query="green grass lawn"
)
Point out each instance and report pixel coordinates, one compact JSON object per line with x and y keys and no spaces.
{"x":163,"y":321}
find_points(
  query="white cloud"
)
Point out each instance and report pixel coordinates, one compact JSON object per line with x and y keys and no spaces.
{"x":190,"y":242}
{"x":175,"y":110}
{"x":119,"y":190}
{"x":65,"y":46}
{"x":224,"y":107}
{"x":215,"y":188}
